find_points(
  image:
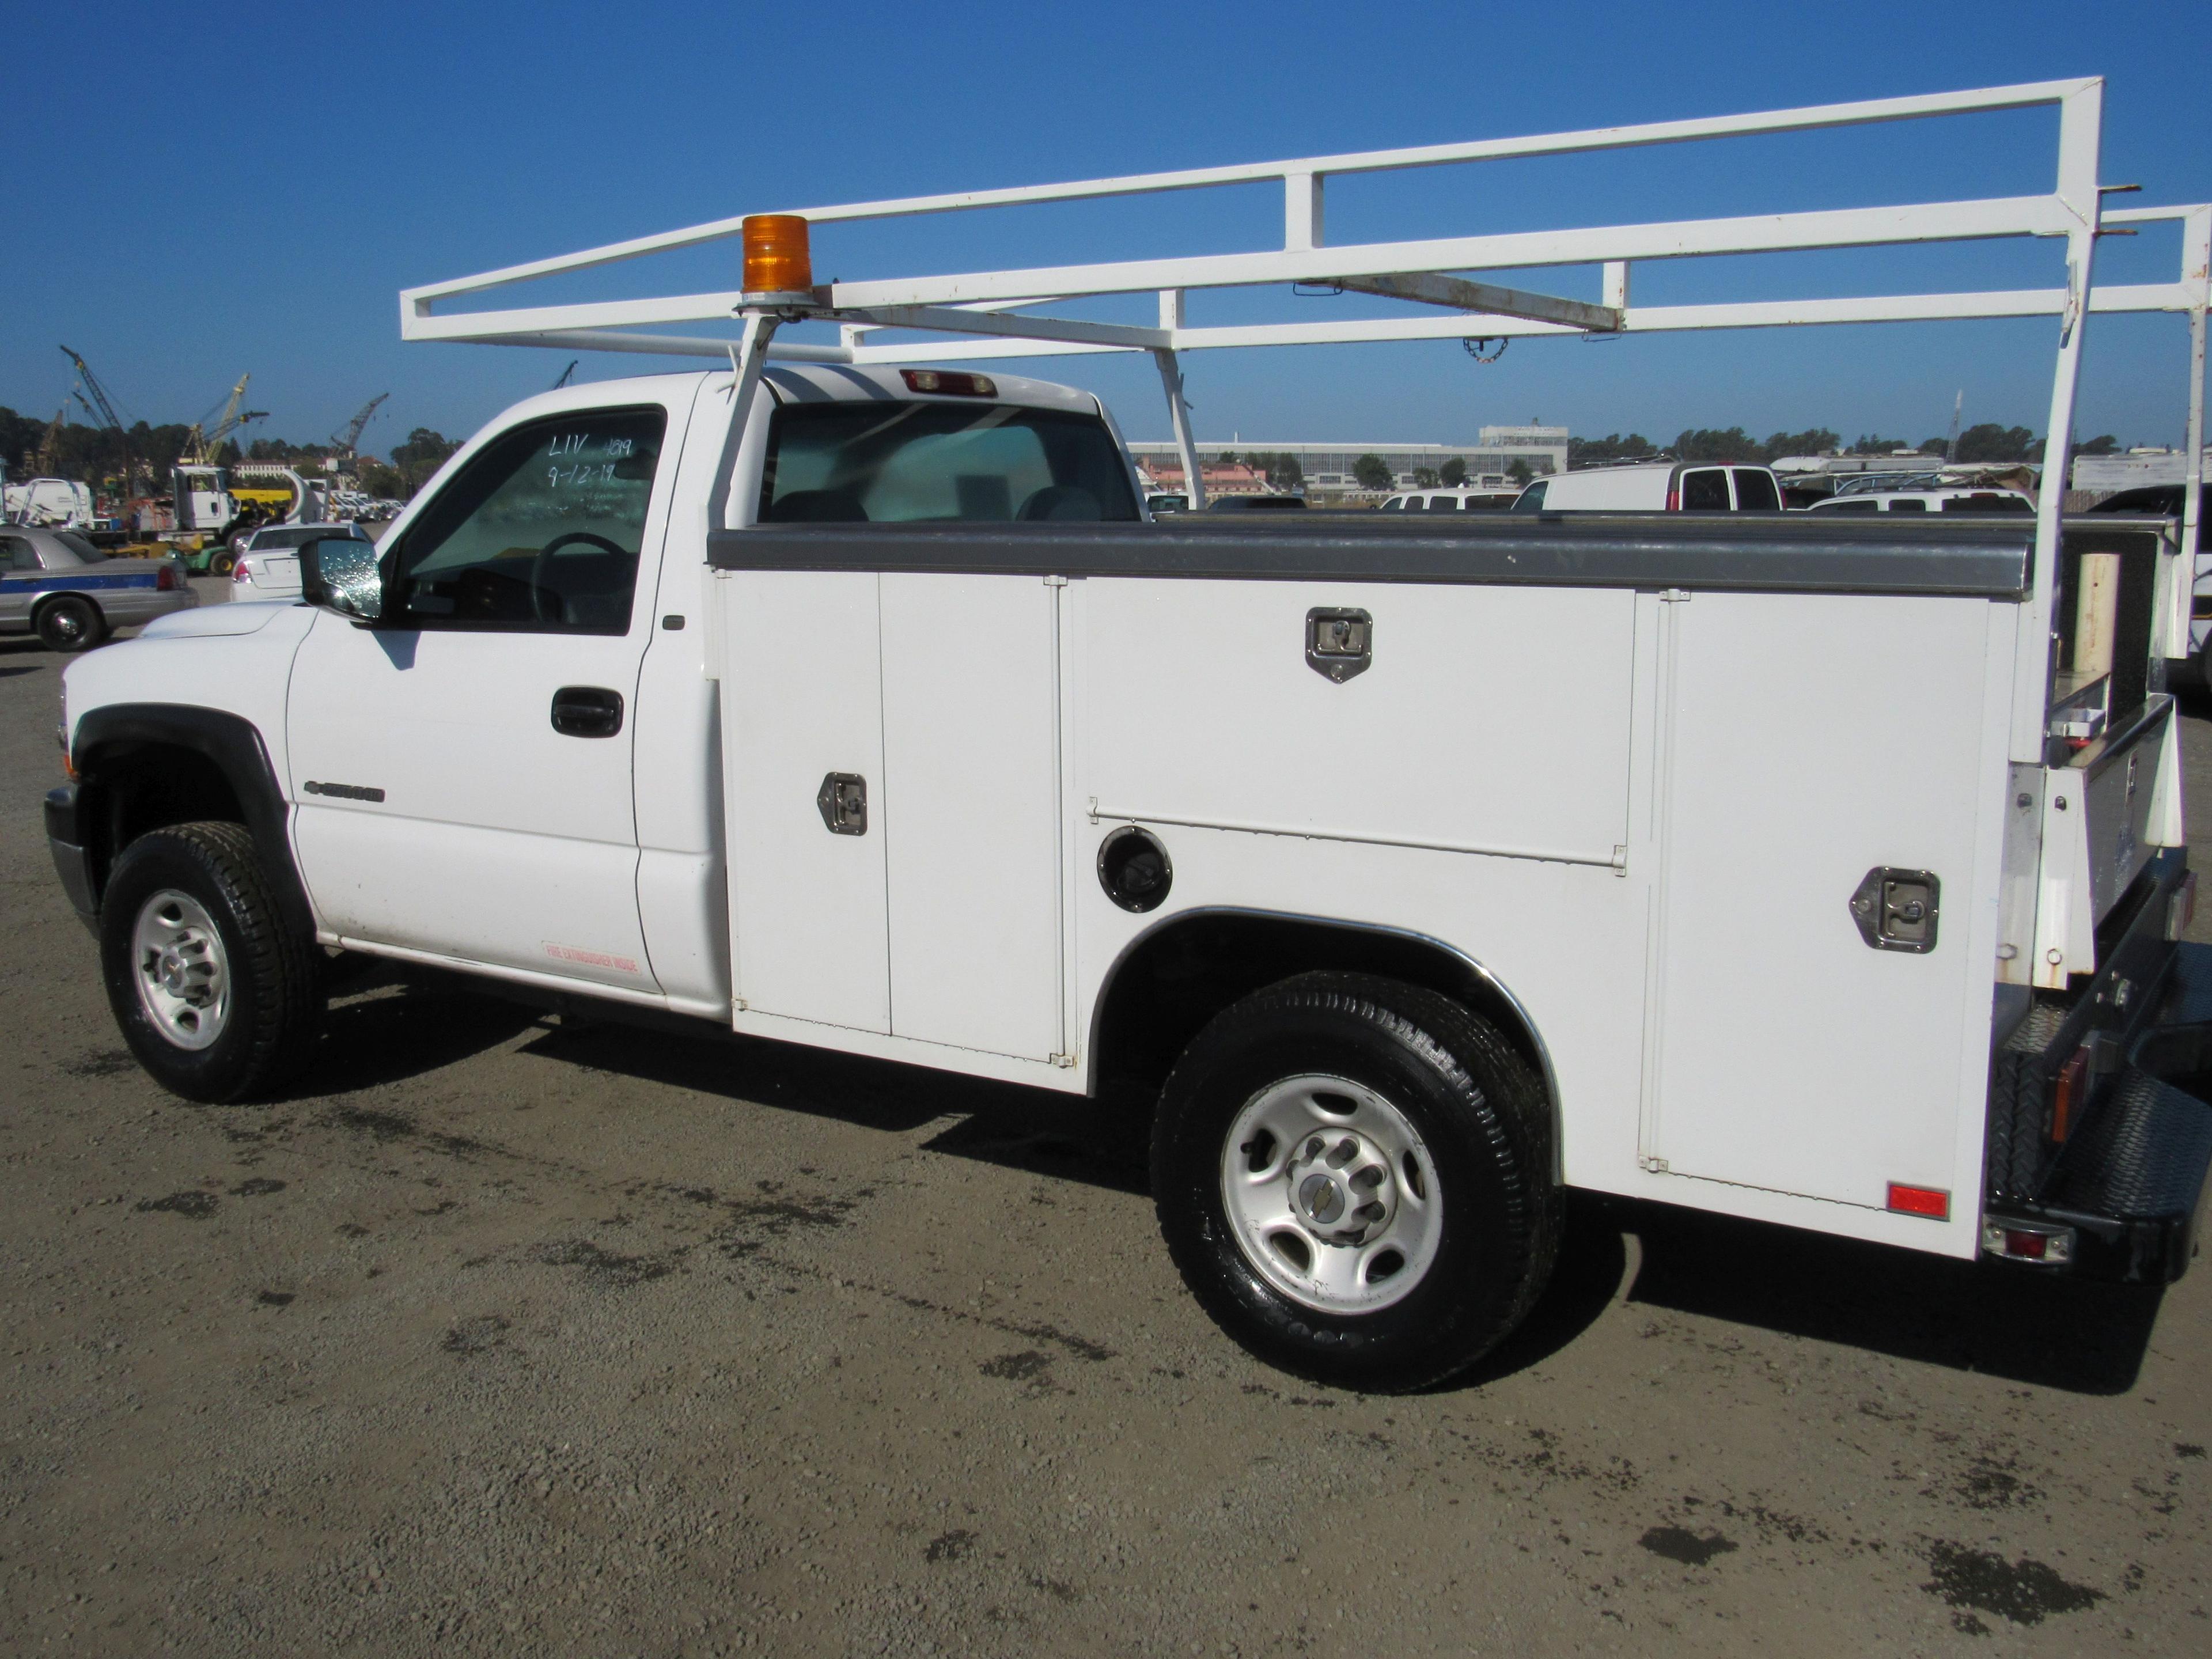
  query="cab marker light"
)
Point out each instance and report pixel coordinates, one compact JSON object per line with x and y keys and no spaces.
{"x":1930,"y":1201}
{"x":949,"y":383}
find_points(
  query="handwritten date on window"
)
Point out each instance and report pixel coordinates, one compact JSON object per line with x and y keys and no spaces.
{"x":586,"y":462}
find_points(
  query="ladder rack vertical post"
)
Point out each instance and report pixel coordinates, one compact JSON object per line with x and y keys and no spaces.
{"x":1616,"y":284}
{"x":2196,"y":262}
{"x":1178,"y":407}
{"x":2080,"y":122}
{"x":1301,"y":211}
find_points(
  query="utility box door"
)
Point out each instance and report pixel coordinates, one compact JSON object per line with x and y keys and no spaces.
{"x":1808,"y":740}
{"x":971,"y":810}
{"x":802,"y":699}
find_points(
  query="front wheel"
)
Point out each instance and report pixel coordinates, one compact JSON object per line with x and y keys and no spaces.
{"x":215,"y":996}
{"x":1354,"y":1177}
{"x":71,"y":625}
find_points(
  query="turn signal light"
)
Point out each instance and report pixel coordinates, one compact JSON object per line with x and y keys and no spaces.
{"x":949,"y":383}
{"x":1930,"y":1201}
{"x":777,"y":257}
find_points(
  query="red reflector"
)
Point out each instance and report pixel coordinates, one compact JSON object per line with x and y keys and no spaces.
{"x":2025,"y":1247}
{"x":1931,"y":1201}
{"x":2068,"y":1093}
{"x":949,"y":383}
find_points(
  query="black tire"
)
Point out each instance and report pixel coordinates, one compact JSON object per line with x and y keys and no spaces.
{"x":1485,"y":1122}
{"x":224,"y":563}
{"x":275,"y":1005}
{"x":71,"y":623}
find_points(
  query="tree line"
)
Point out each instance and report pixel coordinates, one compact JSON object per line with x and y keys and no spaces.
{"x":1989,"y":441}
{"x":94,"y":453}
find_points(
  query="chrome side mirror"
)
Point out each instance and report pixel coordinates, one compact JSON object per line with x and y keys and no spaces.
{"x":340,"y":573}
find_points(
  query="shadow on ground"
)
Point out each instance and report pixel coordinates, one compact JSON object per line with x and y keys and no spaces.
{"x":2013,"y":1322}
{"x":393,"y":1025}
{"x":2010,"y":1322}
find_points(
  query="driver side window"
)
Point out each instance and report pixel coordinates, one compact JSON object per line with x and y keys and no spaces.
{"x":539,"y":533}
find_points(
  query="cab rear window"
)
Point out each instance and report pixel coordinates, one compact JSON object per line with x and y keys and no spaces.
{"x":877,"y":463}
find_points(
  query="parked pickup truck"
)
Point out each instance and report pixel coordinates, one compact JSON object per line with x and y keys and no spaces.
{"x":1422,"y":867}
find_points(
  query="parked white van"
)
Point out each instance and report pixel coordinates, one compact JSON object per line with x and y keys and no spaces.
{"x":1655,"y":487}
{"x":1467,"y":498}
{"x":1928,"y":500}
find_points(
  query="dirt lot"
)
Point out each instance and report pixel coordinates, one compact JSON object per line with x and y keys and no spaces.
{"x":504,"y":1335}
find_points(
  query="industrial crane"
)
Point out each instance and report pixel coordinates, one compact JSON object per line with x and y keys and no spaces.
{"x":49,"y":453}
{"x":200,"y":443}
{"x":101,"y":407}
{"x":348,"y":440}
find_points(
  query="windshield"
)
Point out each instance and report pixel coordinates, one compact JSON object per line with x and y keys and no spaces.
{"x":912,"y":463}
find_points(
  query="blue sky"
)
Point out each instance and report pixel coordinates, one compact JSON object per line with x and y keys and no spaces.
{"x":260,"y":210}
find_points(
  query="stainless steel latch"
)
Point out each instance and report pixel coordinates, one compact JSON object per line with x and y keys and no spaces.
{"x":843,"y":803}
{"x":1339,"y":643}
{"x":1896,"y":909}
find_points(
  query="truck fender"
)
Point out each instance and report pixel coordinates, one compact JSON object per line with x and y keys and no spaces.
{"x":1168,"y":981}
{"x":215,"y":764}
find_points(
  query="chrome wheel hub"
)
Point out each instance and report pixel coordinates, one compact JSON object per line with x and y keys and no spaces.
{"x":182,"y":974}
{"x":1331,"y":1194}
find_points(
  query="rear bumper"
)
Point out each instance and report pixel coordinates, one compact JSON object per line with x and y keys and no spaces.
{"x":66,"y":841}
{"x":2119,"y":1192}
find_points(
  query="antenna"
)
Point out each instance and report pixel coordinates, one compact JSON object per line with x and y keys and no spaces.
{"x":1951,"y":448}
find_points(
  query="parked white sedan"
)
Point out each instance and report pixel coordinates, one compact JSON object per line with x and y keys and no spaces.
{"x":269,"y":565}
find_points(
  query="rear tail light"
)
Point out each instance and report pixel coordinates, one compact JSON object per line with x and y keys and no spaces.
{"x":2028,"y":1240}
{"x":165,"y":580}
{"x":1674,"y":501}
{"x":2181,"y":908}
{"x":1930,"y":1201}
{"x":239,"y":572}
{"x":949,"y":383}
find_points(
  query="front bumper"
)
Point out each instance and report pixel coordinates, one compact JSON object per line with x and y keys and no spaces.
{"x":66,"y":841}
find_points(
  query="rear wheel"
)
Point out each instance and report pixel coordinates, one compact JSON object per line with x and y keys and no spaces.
{"x":1353,"y":1175}
{"x":224,"y":563}
{"x":70,"y":624}
{"x":215,"y":996}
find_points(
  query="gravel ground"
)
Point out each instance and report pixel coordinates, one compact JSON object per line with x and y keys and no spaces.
{"x":504,"y":1334}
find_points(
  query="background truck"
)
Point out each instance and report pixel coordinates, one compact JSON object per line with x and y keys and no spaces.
{"x":1414,"y":869}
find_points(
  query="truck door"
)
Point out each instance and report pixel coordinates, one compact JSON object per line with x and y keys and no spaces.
{"x":462,"y":771}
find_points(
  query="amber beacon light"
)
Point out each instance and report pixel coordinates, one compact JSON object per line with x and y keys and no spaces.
{"x":778,"y":264}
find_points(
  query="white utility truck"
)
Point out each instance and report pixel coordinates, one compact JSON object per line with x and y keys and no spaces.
{"x":1826,"y":872}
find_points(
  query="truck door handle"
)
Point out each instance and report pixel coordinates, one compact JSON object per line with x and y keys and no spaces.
{"x":586,"y":711}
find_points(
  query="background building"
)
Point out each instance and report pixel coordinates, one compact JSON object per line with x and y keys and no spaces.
{"x":2106,"y":474}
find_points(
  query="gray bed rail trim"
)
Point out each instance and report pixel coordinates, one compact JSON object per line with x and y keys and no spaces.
{"x":1991,"y":559}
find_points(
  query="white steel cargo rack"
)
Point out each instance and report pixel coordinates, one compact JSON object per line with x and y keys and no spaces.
{"x":987,"y":310}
